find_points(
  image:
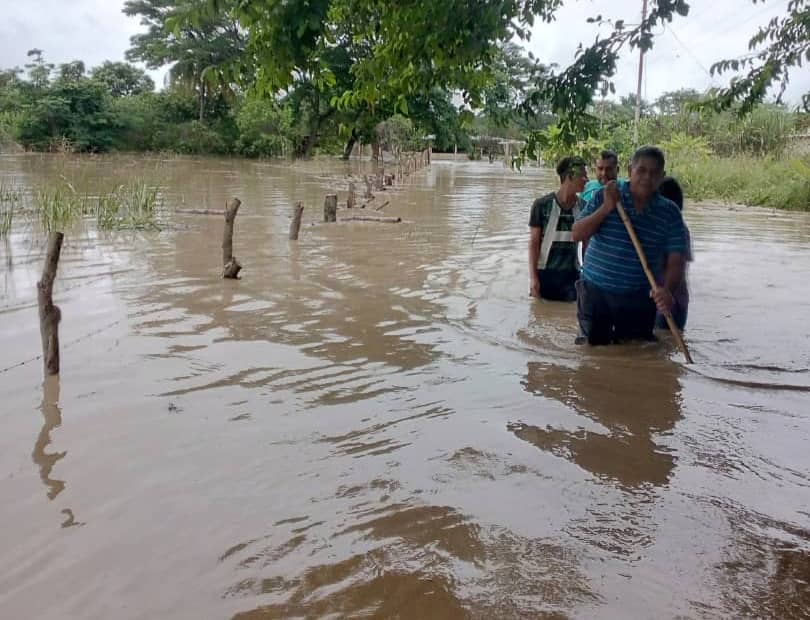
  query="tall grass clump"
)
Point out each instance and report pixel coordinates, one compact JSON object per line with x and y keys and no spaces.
{"x":10,"y":199}
{"x":130,"y":206}
{"x":778,"y":183}
{"x":58,"y":207}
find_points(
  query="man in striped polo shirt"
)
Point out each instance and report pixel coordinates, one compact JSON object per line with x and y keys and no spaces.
{"x":614,"y":298}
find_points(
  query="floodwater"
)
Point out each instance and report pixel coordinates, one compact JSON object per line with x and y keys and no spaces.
{"x":376,"y":421}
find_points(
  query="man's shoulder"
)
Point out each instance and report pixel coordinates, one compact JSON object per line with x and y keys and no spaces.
{"x":544,"y":201}
{"x":543,"y":204}
{"x":669,"y":209}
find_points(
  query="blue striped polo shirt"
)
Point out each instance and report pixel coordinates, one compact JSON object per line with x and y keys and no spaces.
{"x":611,"y":262}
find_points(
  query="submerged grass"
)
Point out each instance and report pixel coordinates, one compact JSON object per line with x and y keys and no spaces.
{"x":59,"y":207}
{"x":779,"y":183}
{"x":131,"y":206}
{"x":10,"y":202}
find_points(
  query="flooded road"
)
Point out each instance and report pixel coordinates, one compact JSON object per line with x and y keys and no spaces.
{"x":376,"y":421}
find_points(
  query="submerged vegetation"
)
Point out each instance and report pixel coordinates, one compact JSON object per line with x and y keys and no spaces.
{"x":10,"y":199}
{"x":134,"y":205}
{"x":131,"y":206}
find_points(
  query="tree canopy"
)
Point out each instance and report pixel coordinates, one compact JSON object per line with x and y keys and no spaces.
{"x":776,"y":49}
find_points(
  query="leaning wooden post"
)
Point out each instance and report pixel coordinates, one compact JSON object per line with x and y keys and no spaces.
{"x":369,"y":194}
{"x":352,"y":199}
{"x":231,"y":266}
{"x":295,"y":225}
{"x":50,"y":315}
{"x":330,"y":208}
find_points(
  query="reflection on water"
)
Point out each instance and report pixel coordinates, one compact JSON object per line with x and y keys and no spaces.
{"x":766,"y":569}
{"x":630,"y":406}
{"x":368,"y":425}
{"x":52,"y":419}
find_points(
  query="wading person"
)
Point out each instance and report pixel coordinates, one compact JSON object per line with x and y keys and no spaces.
{"x":607,"y":169}
{"x":553,"y":269}
{"x":671,"y":190}
{"x":614,"y":298}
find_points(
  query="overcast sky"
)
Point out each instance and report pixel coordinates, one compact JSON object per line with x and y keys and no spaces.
{"x":97,"y":30}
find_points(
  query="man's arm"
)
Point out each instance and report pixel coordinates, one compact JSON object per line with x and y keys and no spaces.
{"x":535,"y":240}
{"x":589,"y":225}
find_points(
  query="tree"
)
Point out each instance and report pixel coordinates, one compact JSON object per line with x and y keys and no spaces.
{"x":514,"y":73}
{"x":410,"y":47}
{"x":77,"y":111}
{"x":776,"y":49}
{"x":39,"y":72}
{"x":70,"y":72}
{"x":122,"y":79}
{"x":204,"y":53}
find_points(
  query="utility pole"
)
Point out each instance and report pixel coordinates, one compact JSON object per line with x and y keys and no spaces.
{"x":640,"y":72}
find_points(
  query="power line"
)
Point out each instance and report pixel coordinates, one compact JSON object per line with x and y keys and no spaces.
{"x":692,"y":54}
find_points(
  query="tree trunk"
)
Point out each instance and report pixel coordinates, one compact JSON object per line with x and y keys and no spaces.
{"x":231,"y":266}
{"x":347,"y":150}
{"x":50,"y":315}
{"x":202,"y":100}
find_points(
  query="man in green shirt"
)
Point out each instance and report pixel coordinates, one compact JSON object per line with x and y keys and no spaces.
{"x":607,"y":169}
{"x":553,"y":266}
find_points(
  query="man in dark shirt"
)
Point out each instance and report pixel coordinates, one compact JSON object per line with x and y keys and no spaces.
{"x":552,"y":253}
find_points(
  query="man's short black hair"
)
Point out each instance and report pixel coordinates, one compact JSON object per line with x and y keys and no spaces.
{"x":569,"y":165}
{"x":652,"y":152}
{"x":608,"y":154}
{"x":671,"y":190}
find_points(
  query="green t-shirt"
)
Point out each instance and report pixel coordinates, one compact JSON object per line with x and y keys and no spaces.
{"x":563,"y":254}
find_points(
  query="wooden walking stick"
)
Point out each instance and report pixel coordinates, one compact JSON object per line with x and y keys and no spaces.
{"x":651,"y":278}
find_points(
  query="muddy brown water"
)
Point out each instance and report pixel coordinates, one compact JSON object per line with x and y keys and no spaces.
{"x":376,"y":421}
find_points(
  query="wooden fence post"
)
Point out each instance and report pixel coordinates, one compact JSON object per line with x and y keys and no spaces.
{"x":352,"y":199}
{"x":50,"y":315}
{"x":231,"y":266}
{"x":295,"y":225}
{"x":330,"y":208}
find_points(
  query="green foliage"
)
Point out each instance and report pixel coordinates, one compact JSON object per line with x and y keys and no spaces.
{"x":122,"y":79}
{"x":681,"y":147}
{"x":265,"y":128}
{"x":192,"y":137}
{"x":398,"y":134}
{"x":745,"y":179}
{"x":71,"y":108}
{"x":204,"y":52}
{"x":552,"y":144}
{"x":777,"y":48}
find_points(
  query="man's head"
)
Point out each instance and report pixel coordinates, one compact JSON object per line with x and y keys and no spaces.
{"x":670,"y":189}
{"x":607,"y":167}
{"x":573,"y":173}
{"x":646,"y":171}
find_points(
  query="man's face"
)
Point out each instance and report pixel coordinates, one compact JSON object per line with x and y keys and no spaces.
{"x":607,"y":170}
{"x":645,"y":176}
{"x":579,"y":177}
